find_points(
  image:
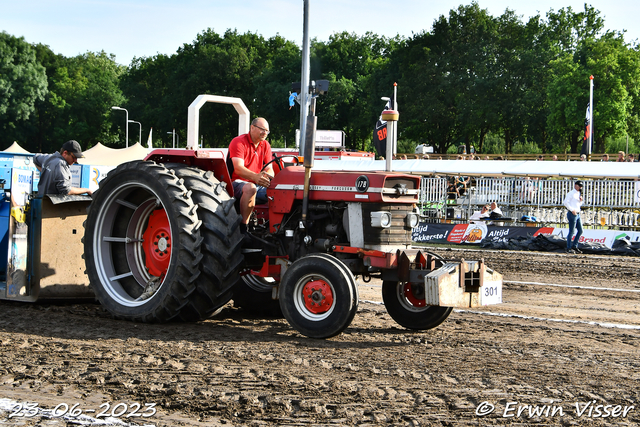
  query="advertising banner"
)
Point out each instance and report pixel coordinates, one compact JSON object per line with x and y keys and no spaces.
{"x":481,"y":233}
{"x":605,"y":237}
{"x":472,"y":233}
{"x":21,"y":186}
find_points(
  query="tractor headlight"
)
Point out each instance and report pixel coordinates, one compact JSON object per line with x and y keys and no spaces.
{"x":411,"y":220}
{"x":381,"y":219}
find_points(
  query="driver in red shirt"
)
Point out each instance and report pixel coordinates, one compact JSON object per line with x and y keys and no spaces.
{"x":249,"y":153}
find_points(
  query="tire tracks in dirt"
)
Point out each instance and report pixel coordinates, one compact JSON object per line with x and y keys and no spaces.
{"x":240,"y":370}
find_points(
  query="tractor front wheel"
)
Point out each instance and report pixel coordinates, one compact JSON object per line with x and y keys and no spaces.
{"x":352,"y":280}
{"x":317,"y":297}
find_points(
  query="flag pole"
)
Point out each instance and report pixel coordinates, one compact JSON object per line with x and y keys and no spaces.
{"x":590,"y":147}
{"x":394,"y":137}
{"x":304,"y":80}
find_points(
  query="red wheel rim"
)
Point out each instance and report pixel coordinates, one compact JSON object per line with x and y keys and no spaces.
{"x":318,"y":296}
{"x":157,"y":243}
{"x":411,"y":297}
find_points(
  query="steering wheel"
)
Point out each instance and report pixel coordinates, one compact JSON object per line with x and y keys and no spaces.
{"x":279,"y":162}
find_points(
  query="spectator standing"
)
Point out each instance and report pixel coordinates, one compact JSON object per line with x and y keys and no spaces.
{"x":573,"y":202}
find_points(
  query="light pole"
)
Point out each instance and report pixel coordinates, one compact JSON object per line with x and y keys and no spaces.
{"x":126,"y":129}
{"x":140,"y":133}
{"x":174,"y":138}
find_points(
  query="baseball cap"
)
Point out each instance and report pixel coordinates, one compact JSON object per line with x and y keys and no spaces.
{"x":73,"y":147}
{"x":579,"y":183}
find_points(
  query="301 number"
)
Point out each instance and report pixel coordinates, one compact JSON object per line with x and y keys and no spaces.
{"x":491,"y":291}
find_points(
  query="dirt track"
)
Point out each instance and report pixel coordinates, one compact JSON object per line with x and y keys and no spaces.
{"x":252,"y":371}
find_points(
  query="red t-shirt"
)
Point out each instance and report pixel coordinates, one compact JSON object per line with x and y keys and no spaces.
{"x":254,"y":158}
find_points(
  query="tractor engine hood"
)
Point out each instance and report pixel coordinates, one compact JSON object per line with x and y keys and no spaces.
{"x":344,"y":186}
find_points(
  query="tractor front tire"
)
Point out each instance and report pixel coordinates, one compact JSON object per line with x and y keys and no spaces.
{"x":352,"y":280}
{"x":317,"y":297}
{"x":142,"y":243}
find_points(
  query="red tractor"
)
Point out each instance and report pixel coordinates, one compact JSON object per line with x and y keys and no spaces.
{"x":162,"y":242}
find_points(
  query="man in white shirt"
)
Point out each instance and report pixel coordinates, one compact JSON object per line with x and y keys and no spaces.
{"x":573,"y":201}
{"x":480,"y":215}
{"x":496,"y":212}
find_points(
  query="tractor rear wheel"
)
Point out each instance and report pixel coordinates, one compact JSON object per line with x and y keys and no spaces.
{"x":317,"y":297}
{"x":221,"y":245}
{"x":407,"y":306}
{"x":142,"y":243}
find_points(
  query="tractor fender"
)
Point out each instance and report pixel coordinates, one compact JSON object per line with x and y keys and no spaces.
{"x":206,"y":159}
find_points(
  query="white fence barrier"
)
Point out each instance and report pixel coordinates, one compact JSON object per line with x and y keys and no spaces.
{"x":606,"y":202}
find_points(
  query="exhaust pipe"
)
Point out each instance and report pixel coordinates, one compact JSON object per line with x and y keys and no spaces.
{"x":309,"y":150}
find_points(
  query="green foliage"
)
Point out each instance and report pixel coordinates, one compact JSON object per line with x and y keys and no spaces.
{"x":493,"y":144}
{"x":352,"y":104}
{"x":496,"y":82}
{"x":527,"y":147}
{"x":23,"y":82}
{"x":81,"y":91}
{"x":613,"y":145}
{"x":86,"y":87}
{"x":406,"y":146}
{"x":259,"y":71}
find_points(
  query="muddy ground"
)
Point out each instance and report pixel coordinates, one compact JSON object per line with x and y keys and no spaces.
{"x":571,"y":355}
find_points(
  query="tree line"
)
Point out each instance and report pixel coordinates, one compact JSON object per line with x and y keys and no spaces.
{"x":494,"y":82}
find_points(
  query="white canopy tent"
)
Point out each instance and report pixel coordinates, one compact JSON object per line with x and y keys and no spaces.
{"x":105,"y":156}
{"x":15,"y":148}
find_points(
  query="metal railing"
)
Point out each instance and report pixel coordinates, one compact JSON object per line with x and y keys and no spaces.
{"x":613,"y":202}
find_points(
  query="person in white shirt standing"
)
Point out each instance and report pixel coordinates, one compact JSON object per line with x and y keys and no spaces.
{"x":573,"y":201}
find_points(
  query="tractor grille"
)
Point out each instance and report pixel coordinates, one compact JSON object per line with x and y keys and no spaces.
{"x":398,"y":234}
{"x":392,"y":181}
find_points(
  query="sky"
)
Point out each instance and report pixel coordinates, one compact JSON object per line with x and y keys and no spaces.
{"x":144,"y":28}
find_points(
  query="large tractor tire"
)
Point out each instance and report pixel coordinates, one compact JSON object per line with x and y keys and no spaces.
{"x":317,"y":297}
{"x":142,"y":243}
{"x":221,"y":247}
{"x":406,"y":305}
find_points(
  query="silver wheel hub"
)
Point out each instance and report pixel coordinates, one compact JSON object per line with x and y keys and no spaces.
{"x":162,"y":244}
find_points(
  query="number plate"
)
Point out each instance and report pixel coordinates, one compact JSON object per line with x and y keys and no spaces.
{"x":491,"y":293}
